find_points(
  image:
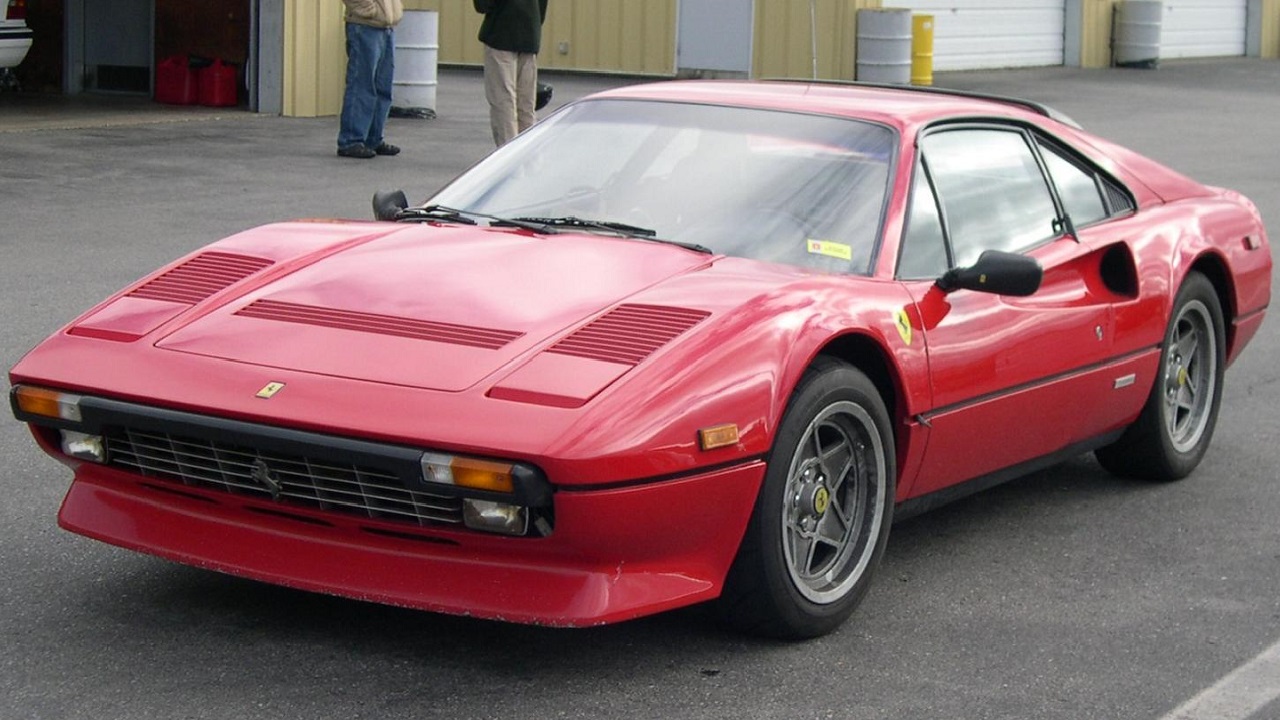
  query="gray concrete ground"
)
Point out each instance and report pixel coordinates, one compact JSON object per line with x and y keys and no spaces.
{"x":1067,"y":594}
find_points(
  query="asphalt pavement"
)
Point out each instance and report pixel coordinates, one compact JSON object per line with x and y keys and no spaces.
{"x":1066,"y":594}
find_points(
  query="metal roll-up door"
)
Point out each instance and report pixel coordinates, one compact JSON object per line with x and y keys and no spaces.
{"x":1203,"y":28}
{"x":973,"y":34}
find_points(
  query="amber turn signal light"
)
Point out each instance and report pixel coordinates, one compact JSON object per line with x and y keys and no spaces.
{"x":718,"y":436}
{"x":48,"y":403}
{"x":471,"y":473}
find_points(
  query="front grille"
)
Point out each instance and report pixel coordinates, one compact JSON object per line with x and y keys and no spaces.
{"x":294,"y":480}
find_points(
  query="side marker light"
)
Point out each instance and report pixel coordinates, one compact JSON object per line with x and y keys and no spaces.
{"x":718,"y":436}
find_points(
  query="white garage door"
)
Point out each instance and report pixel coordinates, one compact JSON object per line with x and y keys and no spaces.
{"x":971,"y":34}
{"x":1203,"y":28}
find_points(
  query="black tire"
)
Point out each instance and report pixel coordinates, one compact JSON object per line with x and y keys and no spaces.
{"x":1170,"y":437}
{"x":822,"y":516}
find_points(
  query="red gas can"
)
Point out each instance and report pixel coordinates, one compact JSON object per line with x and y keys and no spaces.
{"x":218,"y":84}
{"x":175,"y":81}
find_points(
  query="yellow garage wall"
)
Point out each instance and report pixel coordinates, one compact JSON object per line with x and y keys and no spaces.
{"x":1095,"y":35}
{"x":315,"y":58}
{"x":618,"y":36}
{"x":624,"y":36}
{"x":1270,"y":29}
{"x":784,"y":38}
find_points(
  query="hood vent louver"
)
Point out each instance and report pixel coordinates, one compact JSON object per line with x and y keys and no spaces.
{"x":200,"y":277}
{"x":629,"y":333}
{"x":486,"y":338}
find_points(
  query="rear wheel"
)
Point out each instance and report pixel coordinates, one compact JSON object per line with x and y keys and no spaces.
{"x":1173,"y":432}
{"x":822,"y":517}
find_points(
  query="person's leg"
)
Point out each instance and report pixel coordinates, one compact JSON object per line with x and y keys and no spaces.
{"x":500,"y":91}
{"x":383,"y":79}
{"x":526,"y":90}
{"x":358,"y":98}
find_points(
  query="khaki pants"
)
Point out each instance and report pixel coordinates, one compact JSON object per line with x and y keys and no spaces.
{"x":511,"y":87}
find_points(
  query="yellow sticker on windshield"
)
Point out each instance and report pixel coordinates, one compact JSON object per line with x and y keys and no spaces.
{"x":830,"y":249}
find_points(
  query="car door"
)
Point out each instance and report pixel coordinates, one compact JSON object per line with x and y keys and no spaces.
{"x":1013,"y":379}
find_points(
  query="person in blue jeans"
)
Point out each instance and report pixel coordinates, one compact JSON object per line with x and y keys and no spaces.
{"x":370,"y":71}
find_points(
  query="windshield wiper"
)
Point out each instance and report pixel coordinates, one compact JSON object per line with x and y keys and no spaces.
{"x":623,"y":229}
{"x":435,"y":212}
{"x":601,"y":225}
{"x":443,"y":213}
{"x":540,"y":225}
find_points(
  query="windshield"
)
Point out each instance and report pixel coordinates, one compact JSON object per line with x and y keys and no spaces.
{"x":806,"y":190}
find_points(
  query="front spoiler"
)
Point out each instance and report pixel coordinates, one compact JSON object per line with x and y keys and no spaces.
{"x":615,"y":554}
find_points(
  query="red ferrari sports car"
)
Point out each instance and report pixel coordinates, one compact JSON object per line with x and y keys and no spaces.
{"x":679,"y":342}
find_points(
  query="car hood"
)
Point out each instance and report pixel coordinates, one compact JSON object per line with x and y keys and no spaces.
{"x":432,"y":307}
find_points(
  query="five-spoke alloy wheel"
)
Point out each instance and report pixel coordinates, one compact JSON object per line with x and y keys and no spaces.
{"x":1173,"y":432}
{"x":823,"y":513}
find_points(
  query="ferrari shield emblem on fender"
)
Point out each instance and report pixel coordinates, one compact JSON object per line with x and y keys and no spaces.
{"x":270,"y":389}
{"x":903,"y":323}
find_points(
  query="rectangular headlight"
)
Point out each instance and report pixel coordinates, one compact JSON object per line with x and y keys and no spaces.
{"x":495,"y":517}
{"x":86,"y":447}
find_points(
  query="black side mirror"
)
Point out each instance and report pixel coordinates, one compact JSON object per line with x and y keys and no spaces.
{"x":996,"y":271}
{"x":543,"y":97}
{"x":388,"y":203}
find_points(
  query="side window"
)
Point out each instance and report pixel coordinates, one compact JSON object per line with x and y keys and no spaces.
{"x":924,"y":247}
{"x":991,"y":190}
{"x":1077,"y":187}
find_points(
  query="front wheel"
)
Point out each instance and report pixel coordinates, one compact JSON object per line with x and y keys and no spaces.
{"x":1173,"y":432}
{"x":822,"y":517}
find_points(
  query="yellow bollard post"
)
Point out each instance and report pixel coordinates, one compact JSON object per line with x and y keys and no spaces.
{"x":921,"y":49}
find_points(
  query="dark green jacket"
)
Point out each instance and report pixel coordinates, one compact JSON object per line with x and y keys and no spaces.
{"x":512,"y":25}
